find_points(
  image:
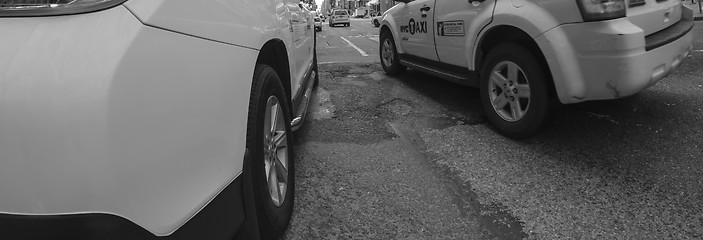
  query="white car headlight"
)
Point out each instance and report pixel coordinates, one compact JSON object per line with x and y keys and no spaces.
{"x":28,"y":8}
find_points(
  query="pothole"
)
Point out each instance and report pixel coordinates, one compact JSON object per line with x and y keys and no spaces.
{"x":440,"y":123}
{"x":501,"y":223}
{"x":398,"y":106}
{"x":350,"y":80}
{"x":377,"y":76}
{"x":365,"y":68}
{"x":321,"y":106}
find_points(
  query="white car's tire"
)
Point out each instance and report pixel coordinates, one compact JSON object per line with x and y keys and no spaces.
{"x":270,"y":144}
{"x":515,"y":91}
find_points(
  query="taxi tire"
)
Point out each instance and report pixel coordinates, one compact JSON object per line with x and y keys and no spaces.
{"x":272,"y":220}
{"x":542,"y":104}
{"x":394,"y":68}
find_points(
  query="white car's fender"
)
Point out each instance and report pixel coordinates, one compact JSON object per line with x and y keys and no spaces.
{"x":122,"y":118}
{"x":238,"y":22}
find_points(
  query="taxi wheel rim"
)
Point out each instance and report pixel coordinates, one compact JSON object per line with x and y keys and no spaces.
{"x":509,"y":91}
{"x":275,"y":151}
{"x":387,"y":52}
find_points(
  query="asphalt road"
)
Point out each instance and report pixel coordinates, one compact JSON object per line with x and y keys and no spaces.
{"x":412,"y":157}
{"x":354,"y":44}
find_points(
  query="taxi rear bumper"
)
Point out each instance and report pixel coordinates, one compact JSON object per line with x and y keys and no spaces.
{"x":612,"y":59}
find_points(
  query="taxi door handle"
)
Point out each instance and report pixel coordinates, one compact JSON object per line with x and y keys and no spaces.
{"x":424,"y":10}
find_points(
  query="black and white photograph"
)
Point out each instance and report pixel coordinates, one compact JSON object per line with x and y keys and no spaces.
{"x":351,"y":119}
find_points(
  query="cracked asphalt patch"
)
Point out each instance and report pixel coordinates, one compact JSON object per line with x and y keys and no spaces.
{"x":561,"y":199}
{"x":357,"y":178}
{"x":412,"y":157}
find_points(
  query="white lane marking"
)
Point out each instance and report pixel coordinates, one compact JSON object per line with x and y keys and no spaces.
{"x":355,"y":47}
{"x":698,"y":50}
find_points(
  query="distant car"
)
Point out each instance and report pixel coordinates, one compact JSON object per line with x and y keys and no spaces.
{"x":318,"y":24}
{"x":376,"y":21}
{"x":339,"y":16}
{"x":151,"y":119}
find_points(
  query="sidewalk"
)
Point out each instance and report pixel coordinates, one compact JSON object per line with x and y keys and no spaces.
{"x":697,"y":15}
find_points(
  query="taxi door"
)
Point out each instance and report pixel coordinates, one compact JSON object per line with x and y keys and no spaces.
{"x":454,"y":21}
{"x":415,"y":29}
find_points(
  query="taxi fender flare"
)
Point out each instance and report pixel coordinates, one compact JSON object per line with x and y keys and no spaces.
{"x":390,"y":23}
{"x":523,"y":17}
{"x":479,"y":25}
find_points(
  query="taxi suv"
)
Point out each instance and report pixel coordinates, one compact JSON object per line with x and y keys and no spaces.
{"x":151,"y":119}
{"x":528,"y":56}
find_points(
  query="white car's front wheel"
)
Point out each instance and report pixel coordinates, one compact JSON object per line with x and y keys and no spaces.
{"x":270,"y":143}
{"x":515,"y":91}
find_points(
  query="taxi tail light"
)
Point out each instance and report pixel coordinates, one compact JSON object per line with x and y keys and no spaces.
{"x":597,"y":10}
{"x":30,"y":8}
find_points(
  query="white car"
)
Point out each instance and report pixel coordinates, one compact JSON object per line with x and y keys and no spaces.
{"x":318,"y":23}
{"x":339,"y":16}
{"x":376,"y":21}
{"x":151,"y":118}
{"x":526,"y":57}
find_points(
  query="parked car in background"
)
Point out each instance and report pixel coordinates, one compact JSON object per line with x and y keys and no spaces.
{"x":376,"y":21}
{"x":339,"y":16}
{"x":318,"y":23}
{"x":151,"y":118}
{"x":359,"y":13}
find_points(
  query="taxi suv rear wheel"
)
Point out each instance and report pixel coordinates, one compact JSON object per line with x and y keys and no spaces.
{"x":270,"y":143}
{"x":515,"y":91}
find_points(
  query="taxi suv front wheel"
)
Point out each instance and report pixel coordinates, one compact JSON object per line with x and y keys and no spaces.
{"x":515,"y":92}
{"x":389,"y":55}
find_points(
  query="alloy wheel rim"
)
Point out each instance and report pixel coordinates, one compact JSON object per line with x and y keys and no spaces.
{"x":509,"y":91}
{"x":275,"y":151}
{"x":387,"y":53}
